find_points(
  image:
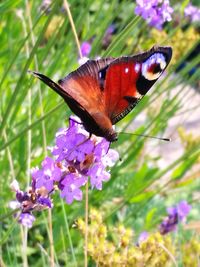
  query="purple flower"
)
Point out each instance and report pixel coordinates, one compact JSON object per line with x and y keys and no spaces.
{"x":192,"y":12}
{"x":26,"y":219}
{"x":81,"y":158}
{"x":111,"y":29}
{"x":77,"y":157}
{"x":98,"y":174}
{"x":70,"y":187}
{"x":45,"y":201}
{"x":47,"y":175}
{"x":145,"y":7}
{"x":85,"y":48}
{"x":27,"y":202}
{"x":182,"y":209}
{"x":156,"y":12}
{"x":70,"y":144}
{"x":175,"y":215}
{"x":80,"y":146}
{"x":108,"y":35}
{"x":143,"y":237}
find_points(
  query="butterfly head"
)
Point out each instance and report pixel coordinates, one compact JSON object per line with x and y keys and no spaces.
{"x":100,"y":125}
{"x":111,"y":135}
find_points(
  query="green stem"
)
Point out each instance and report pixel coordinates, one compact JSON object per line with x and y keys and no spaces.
{"x":68,"y":234}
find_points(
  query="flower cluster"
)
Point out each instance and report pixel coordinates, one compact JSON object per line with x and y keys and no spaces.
{"x":156,"y":12}
{"x":191,"y":251}
{"x":26,"y":202}
{"x":192,"y":12}
{"x":118,"y":248}
{"x":78,"y":159}
{"x":175,"y":215}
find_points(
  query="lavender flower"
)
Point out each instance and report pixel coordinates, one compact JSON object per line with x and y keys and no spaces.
{"x":81,"y":158}
{"x":46,"y":5}
{"x":85,"y":48}
{"x":48,"y":175}
{"x":175,"y":215}
{"x":192,"y":12}
{"x":156,"y":12}
{"x":143,"y":237}
{"x":26,"y":219}
{"x":108,"y":35}
{"x":27,"y":202}
{"x":98,"y":175}
{"x":77,"y":157}
{"x":70,"y":187}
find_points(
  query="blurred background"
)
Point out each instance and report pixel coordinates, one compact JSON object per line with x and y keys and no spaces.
{"x":151,"y":176}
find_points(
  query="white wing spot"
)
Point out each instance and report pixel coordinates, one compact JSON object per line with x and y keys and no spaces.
{"x":126,"y":70}
{"x":137,"y":67}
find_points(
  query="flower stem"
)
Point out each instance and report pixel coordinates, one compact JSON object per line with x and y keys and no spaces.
{"x":37,"y":68}
{"x":86,"y":225}
{"x":10,"y":158}
{"x":24,"y":230}
{"x":66,"y":6}
{"x":43,"y":133}
{"x":51,"y":238}
{"x":24,"y":233}
{"x":68,"y":233}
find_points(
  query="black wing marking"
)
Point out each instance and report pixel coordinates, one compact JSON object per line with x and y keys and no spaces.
{"x":91,"y":68}
{"x":134,"y":101}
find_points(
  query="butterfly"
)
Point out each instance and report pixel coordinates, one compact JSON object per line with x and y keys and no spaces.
{"x":101,"y":92}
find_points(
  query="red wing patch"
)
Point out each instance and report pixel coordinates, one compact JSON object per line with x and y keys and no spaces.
{"x":120,"y":88}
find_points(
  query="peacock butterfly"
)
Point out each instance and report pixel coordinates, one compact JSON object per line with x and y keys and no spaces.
{"x":101,"y":92}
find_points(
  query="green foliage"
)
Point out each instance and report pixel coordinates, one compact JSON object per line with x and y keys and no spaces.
{"x":30,"y":115}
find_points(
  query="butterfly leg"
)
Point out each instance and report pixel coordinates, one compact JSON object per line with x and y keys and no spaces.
{"x":76,"y":121}
{"x":81,"y":143}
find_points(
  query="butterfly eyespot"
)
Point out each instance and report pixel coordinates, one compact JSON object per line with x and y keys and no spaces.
{"x":153,"y":67}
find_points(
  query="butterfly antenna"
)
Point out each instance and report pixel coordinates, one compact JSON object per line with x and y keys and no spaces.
{"x":149,"y":136}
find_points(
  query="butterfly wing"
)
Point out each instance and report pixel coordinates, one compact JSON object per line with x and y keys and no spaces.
{"x":83,"y":93}
{"x":76,"y":107}
{"x":84,"y":85}
{"x":101,"y":92}
{"x":128,"y":79}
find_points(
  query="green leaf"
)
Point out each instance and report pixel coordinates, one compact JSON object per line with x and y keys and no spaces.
{"x":184,"y":167}
{"x":140,"y":181}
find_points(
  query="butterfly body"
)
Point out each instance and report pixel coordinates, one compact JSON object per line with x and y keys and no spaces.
{"x":101,"y":92}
